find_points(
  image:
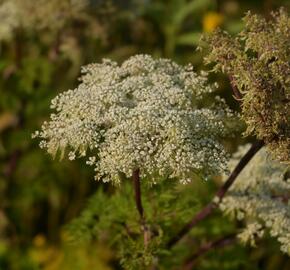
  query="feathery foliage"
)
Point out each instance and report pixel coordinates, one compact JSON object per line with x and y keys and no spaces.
{"x":110,"y":219}
{"x":164,"y":120}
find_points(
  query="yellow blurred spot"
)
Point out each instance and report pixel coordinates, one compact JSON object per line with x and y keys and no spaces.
{"x":211,"y":21}
{"x":39,"y":240}
{"x":7,"y":120}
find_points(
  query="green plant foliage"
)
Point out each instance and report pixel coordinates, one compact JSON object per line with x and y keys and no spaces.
{"x":111,"y":218}
{"x":43,"y":44}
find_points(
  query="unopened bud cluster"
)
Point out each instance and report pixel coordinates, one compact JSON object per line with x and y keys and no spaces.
{"x":257,"y":62}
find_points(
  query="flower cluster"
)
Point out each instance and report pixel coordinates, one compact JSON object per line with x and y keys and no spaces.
{"x":261,"y":197}
{"x":28,"y":14}
{"x":8,"y":21}
{"x":257,"y":62}
{"x":144,"y":114}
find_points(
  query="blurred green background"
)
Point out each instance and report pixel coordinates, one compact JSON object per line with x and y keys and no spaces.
{"x":38,"y":195}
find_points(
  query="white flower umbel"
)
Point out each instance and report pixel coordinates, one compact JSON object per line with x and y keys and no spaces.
{"x":8,"y":19}
{"x":260,"y":196}
{"x":144,"y":114}
{"x":37,"y":15}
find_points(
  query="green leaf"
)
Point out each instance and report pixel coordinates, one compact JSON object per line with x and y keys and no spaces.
{"x":189,"y":39}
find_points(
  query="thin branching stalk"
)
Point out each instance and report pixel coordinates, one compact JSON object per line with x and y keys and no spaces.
{"x":237,"y":94}
{"x":219,"y":243}
{"x":208,"y":209}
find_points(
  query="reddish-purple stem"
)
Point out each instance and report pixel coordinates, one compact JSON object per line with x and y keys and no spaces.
{"x":220,"y":243}
{"x":137,"y":189}
{"x":207,"y":210}
{"x":236,"y":91}
{"x":138,"y":201}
